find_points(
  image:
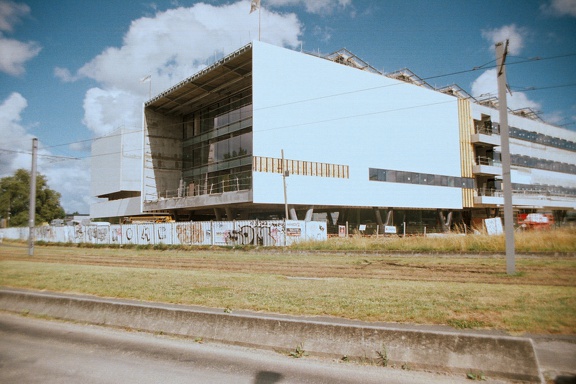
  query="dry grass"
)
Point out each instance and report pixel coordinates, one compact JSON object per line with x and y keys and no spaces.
{"x":465,"y":291}
{"x":558,"y":240}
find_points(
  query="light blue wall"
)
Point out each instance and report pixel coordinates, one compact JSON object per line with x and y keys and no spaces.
{"x":320,"y":111}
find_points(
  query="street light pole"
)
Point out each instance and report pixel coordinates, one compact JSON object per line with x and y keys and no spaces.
{"x":32,"y":211}
{"x":284,"y":171}
{"x":501,"y":51}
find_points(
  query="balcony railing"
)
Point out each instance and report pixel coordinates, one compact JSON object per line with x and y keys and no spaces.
{"x":209,"y":187}
{"x":483,"y":160}
{"x":487,"y":128}
{"x":530,"y":194}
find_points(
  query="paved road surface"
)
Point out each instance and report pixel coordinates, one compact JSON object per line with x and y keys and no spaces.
{"x":41,"y":351}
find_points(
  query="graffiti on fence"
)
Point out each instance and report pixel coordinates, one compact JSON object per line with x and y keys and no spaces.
{"x":116,"y":234}
{"x":190,"y":233}
{"x":97,"y":234}
{"x":223,"y":233}
{"x":256,"y":233}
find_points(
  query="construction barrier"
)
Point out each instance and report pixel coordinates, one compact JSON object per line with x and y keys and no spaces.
{"x":267,"y":233}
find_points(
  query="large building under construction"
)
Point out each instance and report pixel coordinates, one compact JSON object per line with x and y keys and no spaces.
{"x":267,"y":130}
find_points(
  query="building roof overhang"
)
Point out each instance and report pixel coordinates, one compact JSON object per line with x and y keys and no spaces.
{"x":206,"y":86}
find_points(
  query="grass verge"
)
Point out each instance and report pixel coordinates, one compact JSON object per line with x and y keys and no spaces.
{"x":463,"y":291}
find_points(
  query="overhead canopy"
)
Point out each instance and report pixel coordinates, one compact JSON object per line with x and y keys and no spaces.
{"x":205,"y":86}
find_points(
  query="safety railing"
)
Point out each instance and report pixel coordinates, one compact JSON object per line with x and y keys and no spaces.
{"x":209,"y":187}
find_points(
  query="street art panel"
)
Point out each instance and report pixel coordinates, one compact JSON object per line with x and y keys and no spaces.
{"x":97,"y":234}
{"x":221,"y":231}
{"x":192,"y":233}
{"x":145,"y":234}
{"x":267,"y":233}
{"x":130,"y":234}
{"x":116,"y":234}
{"x":163,"y":233}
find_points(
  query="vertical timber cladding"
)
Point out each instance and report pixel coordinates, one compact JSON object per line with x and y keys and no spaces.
{"x":162,"y":154}
{"x":466,"y":125}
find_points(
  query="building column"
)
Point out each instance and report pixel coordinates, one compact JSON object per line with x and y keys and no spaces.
{"x":293,"y":215}
{"x":309,"y":213}
{"x":379,"y":220}
{"x":389,"y":217}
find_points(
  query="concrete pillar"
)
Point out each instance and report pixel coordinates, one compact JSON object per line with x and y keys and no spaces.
{"x":379,"y":220}
{"x":389,"y":217}
{"x":293,"y":215}
{"x":309,"y":213}
{"x":218,"y":214}
{"x":229,"y":213}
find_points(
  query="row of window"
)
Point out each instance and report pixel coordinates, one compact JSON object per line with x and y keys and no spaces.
{"x":488,"y":127}
{"x":548,"y":165}
{"x":299,"y":167}
{"x":226,"y":111}
{"x":393,"y":176}
{"x":544,"y":189}
{"x":540,"y":138}
{"x":223,"y":150}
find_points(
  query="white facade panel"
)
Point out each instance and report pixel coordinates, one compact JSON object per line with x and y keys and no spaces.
{"x":320,"y":111}
{"x":116,"y":163}
{"x":116,"y":208}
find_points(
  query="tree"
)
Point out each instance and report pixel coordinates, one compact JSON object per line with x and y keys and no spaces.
{"x":15,"y":200}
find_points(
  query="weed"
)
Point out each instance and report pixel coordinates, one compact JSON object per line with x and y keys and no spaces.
{"x":465,"y":324}
{"x":227,"y":310}
{"x":345,"y":358}
{"x":382,"y":356}
{"x":298,"y":352}
{"x":199,"y":340}
{"x":479,"y":376}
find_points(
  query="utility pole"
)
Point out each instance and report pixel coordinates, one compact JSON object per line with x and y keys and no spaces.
{"x":284,"y":174}
{"x":501,"y":52}
{"x":32,"y":212}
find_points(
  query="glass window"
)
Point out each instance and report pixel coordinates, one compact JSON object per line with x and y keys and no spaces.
{"x":373,"y":174}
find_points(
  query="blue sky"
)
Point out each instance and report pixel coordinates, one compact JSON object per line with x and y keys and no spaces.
{"x":70,"y":70}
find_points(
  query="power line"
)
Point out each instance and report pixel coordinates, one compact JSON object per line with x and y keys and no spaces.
{"x":476,"y":68}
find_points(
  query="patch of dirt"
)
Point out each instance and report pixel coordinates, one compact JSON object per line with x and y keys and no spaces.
{"x":407,"y":267}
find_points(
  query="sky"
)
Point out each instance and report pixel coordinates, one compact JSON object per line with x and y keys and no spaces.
{"x":71,"y":70}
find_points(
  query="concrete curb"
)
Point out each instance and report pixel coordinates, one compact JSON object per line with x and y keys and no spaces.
{"x":495,"y":356}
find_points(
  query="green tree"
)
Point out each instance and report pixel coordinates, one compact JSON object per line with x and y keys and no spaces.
{"x":15,"y":200}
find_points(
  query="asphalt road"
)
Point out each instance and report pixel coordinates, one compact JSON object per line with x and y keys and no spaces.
{"x":42,"y":351}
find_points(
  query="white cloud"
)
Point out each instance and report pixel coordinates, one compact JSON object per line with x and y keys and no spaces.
{"x":514,"y":34}
{"x":65,"y":75}
{"x":11,"y":13}
{"x":70,"y":177}
{"x":15,"y":143}
{"x":321,"y":7}
{"x":324,"y":34}
{"x":486,"y":86}
{"x":560,"y":8}
{"x":108,"y":109}
{"x":170,"y":46}
{"x":14,"y":53}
